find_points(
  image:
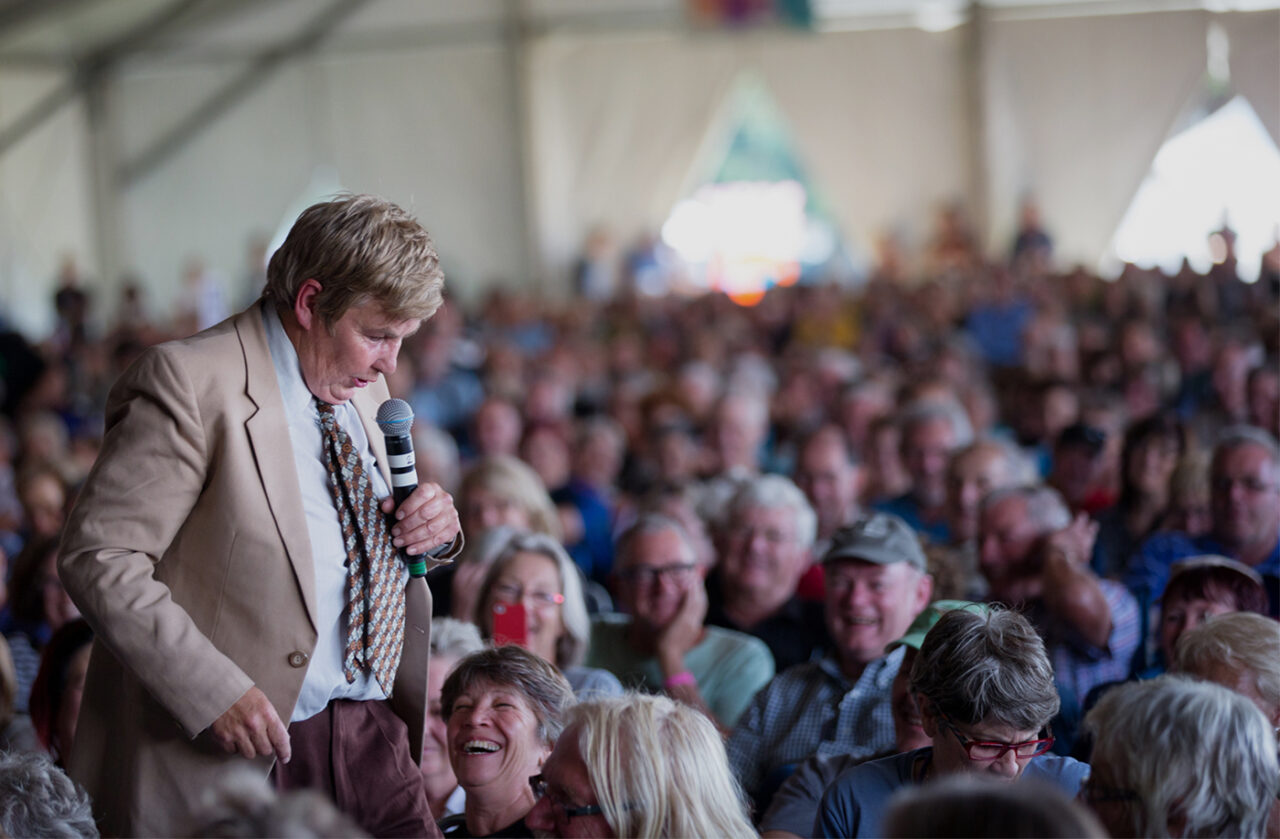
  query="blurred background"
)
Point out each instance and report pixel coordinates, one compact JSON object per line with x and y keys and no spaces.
{"x":153,"y":151}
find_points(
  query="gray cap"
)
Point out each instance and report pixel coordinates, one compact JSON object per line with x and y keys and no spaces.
{"x":879,"y":538}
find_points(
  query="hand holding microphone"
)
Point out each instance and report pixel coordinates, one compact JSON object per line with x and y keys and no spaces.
{"x":426,"y":521}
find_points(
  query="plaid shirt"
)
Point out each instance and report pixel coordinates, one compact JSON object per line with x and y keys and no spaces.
{"x":1079,"y":666}
{"x":810,"y":709}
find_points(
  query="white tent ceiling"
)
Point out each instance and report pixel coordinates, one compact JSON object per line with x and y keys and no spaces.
{"x":138,"y":133}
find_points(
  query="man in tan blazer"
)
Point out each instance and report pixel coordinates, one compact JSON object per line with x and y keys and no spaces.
{"x":202,"y":546}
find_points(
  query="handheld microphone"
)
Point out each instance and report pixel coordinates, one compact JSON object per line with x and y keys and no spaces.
{"x":395,"y":418}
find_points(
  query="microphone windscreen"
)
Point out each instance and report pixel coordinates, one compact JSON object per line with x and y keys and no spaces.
{"x":395,"y":418}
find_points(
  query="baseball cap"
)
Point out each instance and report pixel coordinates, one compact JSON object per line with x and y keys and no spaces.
{"x":914,"y":637}
{"x":879,"y":538}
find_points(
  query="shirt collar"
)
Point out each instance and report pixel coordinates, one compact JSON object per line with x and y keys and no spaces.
{"x":284,"y":358}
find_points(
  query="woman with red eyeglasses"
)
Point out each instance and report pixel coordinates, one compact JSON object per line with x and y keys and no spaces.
{"x":985,"y":690}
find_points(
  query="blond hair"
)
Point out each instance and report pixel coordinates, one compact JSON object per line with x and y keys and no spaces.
{"x":658,"y":768}
{"x":361,"y":249}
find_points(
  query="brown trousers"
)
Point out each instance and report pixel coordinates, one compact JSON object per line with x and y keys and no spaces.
{"x":357,"y":754}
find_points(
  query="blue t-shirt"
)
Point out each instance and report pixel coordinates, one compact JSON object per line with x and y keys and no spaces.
{"x":855,"y":803}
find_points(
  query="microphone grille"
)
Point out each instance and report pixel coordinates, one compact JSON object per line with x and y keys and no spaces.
{"x":395,"y":418}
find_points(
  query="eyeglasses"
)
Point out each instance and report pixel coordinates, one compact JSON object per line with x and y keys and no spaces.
{"x":509,"y":593}
{"x":540,"y":790}
{"x":647,"y":575}
{"x":987,"y":750}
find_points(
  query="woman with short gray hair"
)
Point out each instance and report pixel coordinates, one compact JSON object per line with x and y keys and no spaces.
{"x":984,"y":686}
{"x":1176,"y":757}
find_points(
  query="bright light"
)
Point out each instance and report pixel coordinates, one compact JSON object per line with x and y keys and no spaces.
{"x":1225,"y":168}
{"x":747,"y":236}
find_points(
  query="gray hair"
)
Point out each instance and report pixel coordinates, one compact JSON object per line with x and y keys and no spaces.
{"x":774,"y":492}
{"x":658,"y":768}
{"x":1192,"y":752}
{"x":1045,"y":506}
{"x":38,"y":799}
{"x":1235,"y":436}
{"x":648,"y":522}
{"x":1247,"y":643}
{"x":927,"y":410}
{"x":509,"y":666}
{"x":977,"y":668}
{"x":1019,"y":470}
{"x":571,"y":648}
{"x":243,"y":804}
{"x":454,"y":638}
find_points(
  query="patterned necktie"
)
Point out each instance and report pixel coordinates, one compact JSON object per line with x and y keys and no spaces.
{"x":375,"y":574}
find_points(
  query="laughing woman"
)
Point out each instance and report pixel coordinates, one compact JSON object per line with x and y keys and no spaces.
{"x":504,"y":708}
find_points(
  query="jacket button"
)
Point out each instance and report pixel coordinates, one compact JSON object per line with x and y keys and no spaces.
{"x":297,"y":658}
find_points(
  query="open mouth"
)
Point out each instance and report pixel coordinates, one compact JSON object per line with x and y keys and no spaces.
{"x":480,"y":747}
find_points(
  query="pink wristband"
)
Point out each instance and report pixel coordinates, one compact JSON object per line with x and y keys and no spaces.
{"x":675,"y":680}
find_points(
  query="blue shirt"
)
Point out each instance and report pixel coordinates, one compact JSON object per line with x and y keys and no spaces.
{"x":1149,"y":570}
{"x":907,"y":508}
{"x":856,"y":802}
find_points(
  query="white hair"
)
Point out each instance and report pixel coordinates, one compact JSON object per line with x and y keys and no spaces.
{"x":1194,"y":754}
{"x":773,"y":492}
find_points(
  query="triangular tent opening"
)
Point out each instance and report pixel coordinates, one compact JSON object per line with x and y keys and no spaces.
{"x":753,"y":219}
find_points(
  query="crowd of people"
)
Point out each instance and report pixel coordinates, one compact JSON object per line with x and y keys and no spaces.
{"x":841,"y":563}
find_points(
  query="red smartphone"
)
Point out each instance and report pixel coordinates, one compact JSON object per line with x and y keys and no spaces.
{"x":509,"y":624}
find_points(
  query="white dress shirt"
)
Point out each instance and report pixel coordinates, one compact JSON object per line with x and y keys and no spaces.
{"x":325,"y":680}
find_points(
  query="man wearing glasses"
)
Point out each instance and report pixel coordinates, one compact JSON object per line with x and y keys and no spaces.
{"x":661,"y":645}
{"x":985,"y":689}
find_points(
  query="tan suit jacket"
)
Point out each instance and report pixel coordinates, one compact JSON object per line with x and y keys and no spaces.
{"x":188,"y":552}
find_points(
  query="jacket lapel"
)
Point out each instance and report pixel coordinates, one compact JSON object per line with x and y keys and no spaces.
{"x":268,"y":431}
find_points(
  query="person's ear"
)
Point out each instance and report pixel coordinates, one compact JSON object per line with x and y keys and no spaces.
{"x":304,"y":304}
{"x":924,"y":592}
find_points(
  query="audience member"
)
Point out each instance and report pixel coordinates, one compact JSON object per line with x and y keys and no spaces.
{"x":1174,"y":757}
{"x":876,"y":586}
{"x":767,"y":538}
{"x":504,"y":709}
{"x":40,"y":605}
{"x":1239,"y":652}
{"x":986,"y":693}
{"x":965,"y":805}
{"x":973,"y":472}
{"x":1152,"y":449}
{"x":532,"y":569}
{"x":1036,"y":557}
{"x":795,"y":804}
{"x":496,"y":427}
{"x":828,"y":472}
{"x":1244,"y":511}
{"x":931,"y":430}
{"x":1203,"y":587}
{"x":242,"y":805}
{"x":59,"y":687}
{"x":661,"y":644}
{"x":638,"y":766}
{"x":38,"y":799}
{"x":451,"y":641}
{"x":16,"y":731}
